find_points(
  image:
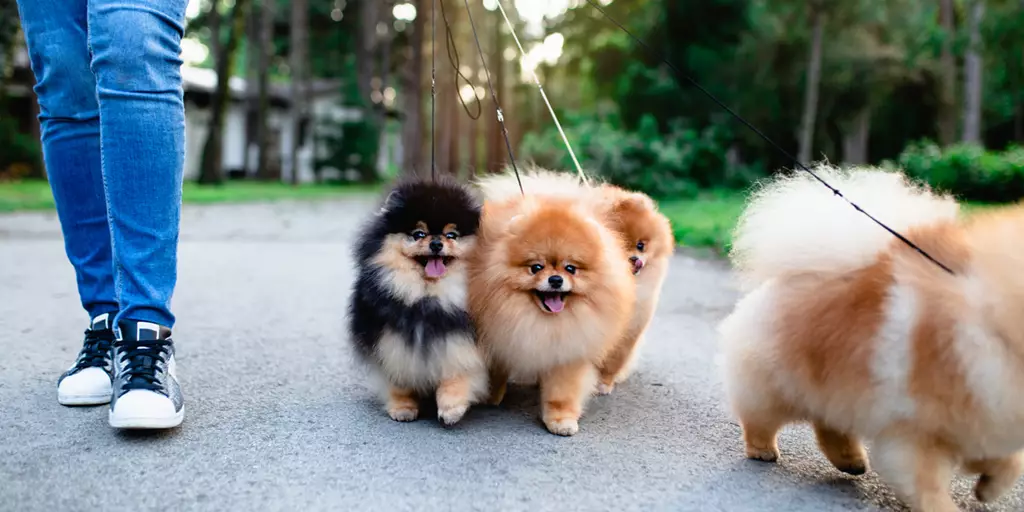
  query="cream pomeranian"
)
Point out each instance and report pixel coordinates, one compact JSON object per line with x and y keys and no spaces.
{"x":849,"y":329}
{"x":550,"y":292}
{"x":649,"y":243}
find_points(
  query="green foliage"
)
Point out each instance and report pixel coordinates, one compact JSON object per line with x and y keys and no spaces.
{"x":352,"y":148}
{"x":968,"y":171}
{"x":21,"y":155}
{"x":678,"y":163}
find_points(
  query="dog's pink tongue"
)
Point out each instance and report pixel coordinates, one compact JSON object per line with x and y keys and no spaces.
{"x":637,"y":265}
{"x":435,"y":267}
{"x":554,"y":303}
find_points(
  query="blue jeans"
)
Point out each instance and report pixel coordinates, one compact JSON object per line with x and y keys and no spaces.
{"x":112,"y":119}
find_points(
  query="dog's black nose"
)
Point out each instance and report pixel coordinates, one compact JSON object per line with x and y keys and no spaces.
{"x":436,"y":246}
{"x":555,"y":281}
{"x":632,"y":259}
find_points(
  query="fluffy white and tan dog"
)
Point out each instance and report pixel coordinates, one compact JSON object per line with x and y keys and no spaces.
{"x":849,"y":329}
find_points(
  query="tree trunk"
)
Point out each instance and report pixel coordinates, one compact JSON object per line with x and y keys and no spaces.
{"x":385,"y":79}
{"x":972,"y":75}
{"x":211,"y":171}
{"x":252,"y":53}
{"x":266,"y":52}
{"x":947,"y":63}
{"x":367,"y":77}
{"x":496,"y":152}
{"x":445,"y":94}
{"x":215,"y":35}
{"x":412,"y":95}
{"x":473,"y":140}
{"x":299,"y":63}
{"x":855,"y":142}
{"x":813,"y":82}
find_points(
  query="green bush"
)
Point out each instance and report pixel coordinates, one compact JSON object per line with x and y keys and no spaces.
{"x":968,"y":171}
{"x":20,"y":156}
{"x":677,"y":164}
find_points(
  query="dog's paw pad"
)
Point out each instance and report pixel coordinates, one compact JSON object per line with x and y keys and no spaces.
{"x":762,"y":454}
{"x":563,"y":427}
{"x":403,"y":414}
{"x":449,"y":416}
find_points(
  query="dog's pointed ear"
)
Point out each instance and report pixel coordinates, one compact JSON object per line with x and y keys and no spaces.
{"x":515,"y":224}
{"x":634,"y":201}
{"x":390,"y":202}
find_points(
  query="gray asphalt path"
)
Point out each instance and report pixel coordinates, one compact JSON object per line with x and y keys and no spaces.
{"x":278,"y":416}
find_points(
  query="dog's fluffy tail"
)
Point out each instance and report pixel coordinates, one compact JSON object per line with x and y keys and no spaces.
{"x":536,"y":181}
{"x":794,"y":224}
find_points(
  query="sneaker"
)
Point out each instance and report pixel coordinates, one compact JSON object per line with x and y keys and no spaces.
{"x":88,"y":381}
{"x":146,"y":393}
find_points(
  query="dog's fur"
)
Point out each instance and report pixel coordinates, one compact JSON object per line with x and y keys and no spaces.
{"x":408,"y":322}
{"x":649,"y":243}
{"x":849,"y":329}
{"x":520,"y":335}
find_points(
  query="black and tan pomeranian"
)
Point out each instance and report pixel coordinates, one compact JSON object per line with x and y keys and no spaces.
{"x":407,"y":314}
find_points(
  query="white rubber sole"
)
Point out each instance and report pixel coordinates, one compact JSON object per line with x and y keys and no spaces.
{"x":146,"y":423}
{"x":67,"y":399}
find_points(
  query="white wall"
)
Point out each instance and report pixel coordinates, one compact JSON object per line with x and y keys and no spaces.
{"x":196,"y":121}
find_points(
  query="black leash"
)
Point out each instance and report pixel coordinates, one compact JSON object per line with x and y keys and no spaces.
{"x":785,"y":153}
{"x":494,"y":97}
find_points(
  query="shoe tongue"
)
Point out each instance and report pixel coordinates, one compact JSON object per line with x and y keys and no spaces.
{"x":101,"y":322}
{"x":435,"y":267}
{"x":143,"y":331}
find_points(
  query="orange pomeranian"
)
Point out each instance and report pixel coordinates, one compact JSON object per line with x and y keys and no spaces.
{"x":649,"y":244}
{"x":551,"y":294}
{"x":849,"y":329}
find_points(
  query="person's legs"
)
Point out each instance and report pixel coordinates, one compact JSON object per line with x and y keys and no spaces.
{"x":55,"y":32}
{"x":136,"y":46}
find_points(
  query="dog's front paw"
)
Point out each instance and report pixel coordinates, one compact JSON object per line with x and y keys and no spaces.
{"x":451,"y":415}
{"x":769,"y":454}
{"x":403,"y":413}
{"x":604,"y":388}
{"x":563,"y":426}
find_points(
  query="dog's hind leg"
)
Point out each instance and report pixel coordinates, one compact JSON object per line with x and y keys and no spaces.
{"x":498,"y":384}
{"x":997,"y":476}
{"x":919,"y":470}
{"x":616,"y":362}
{"x":845,"y":452}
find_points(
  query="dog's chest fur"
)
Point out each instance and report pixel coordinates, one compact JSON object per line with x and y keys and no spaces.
{"x":420,"y":313}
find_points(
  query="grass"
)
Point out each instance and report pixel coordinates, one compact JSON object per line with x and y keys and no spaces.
{"x":705,"y":221}
{"x":36,"y":195}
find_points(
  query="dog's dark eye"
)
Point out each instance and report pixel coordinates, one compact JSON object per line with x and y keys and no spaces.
{"x":640,"y":246}
{"x":452,"y":236}
{"x":570,"y":269}
{"x":536,"y":267}
{"x":419,"y":234}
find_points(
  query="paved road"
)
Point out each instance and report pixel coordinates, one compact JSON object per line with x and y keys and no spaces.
{"x":278,"y":417}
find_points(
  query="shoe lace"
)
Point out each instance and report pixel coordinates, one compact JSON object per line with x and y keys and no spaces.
{"x":142,"y":359}
{"x":96,"y":349}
